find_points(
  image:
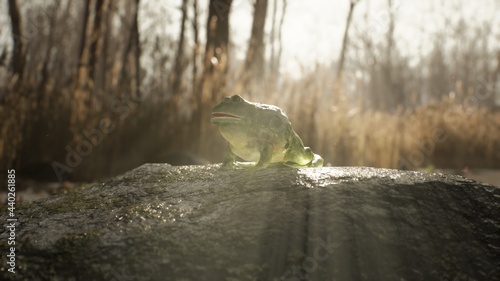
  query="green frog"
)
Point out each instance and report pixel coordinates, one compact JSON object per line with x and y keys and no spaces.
{"x":261,"y":135}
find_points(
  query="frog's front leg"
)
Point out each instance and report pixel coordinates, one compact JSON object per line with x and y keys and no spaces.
{"x":229,"y":158}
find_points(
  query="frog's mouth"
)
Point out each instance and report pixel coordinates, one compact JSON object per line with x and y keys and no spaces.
{"x":224,"y":117}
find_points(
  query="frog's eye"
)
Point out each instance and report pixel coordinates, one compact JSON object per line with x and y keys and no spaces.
{"x":236,"y":98}
{"x":287,"y":145}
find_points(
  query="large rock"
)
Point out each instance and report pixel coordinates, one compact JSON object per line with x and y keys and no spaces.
{"x":159,"y":222}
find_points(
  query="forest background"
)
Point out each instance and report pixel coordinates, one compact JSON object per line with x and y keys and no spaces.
{"x":90,"y":89}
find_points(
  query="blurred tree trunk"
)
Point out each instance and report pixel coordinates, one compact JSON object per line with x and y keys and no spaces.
{"x":82,"y":49}
{"x":216,"y":56}
{"x":106,"y":63}
{"x":95,"y":37}
{"x":272,"y":39}
{"x":391,"y":98}
{"x":96,"y":43}
{"x":280,"y":37}
{"x":18,"y":60}
{"x":14,"y":107}
{"x":83,"y":35}
{"x":253,"y":68}
{"x":180,"y":62}
{"x":131,"y":56}
{"x":340,"y":68}
{"x":215,"y":66}
{"x":273,"y":71}
{"x":390,"y":36}
{"x":496,"y":78}
{"x":438,"y":74}
{"x":48,"y":54}
{"x":196,"y":48}
{"x":137,"y":49}
{"x":90,"y":54}
{"x":367,"y":99}
{"x":495,"y":89}
{"x":276,"y":35}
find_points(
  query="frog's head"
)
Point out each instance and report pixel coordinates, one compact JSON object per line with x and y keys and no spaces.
{"x":231,"y":110}
{"x":235,"y":109}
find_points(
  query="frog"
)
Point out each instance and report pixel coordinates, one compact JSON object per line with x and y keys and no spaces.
{"x":261,"y":135}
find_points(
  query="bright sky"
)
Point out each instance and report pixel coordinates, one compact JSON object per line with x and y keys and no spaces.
{"x":313,"y":32}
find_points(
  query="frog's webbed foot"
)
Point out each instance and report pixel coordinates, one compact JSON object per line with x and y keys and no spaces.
{"x":246,"y":165}
{"x":294,"y":165}
{"x":314,"y":160}
{"x":317,"y":161}
{"x":238,"y":165}
{"x":229,"y":165}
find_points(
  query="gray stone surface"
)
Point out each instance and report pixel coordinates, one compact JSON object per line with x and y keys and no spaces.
{"x":159,"y":222}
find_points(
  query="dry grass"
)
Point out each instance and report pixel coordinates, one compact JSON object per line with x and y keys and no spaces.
{"x":444,"y":134}
{"x":424,"y":137}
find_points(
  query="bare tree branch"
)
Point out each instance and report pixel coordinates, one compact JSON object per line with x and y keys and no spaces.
{"x":340,"y":67}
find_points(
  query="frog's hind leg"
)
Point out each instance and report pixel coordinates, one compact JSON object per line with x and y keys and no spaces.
{"x":266,"y":154}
